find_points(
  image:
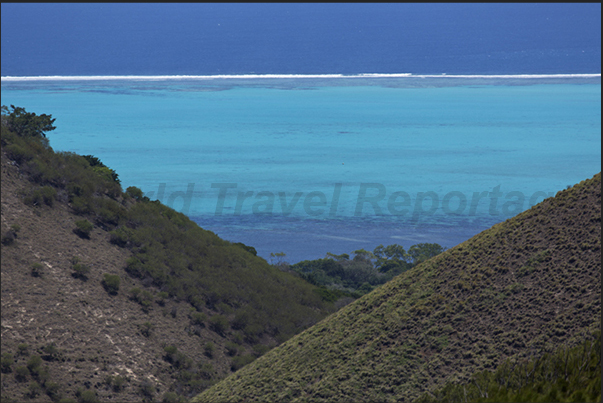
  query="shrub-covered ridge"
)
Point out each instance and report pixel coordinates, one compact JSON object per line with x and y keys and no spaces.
{"x":142,"y":278}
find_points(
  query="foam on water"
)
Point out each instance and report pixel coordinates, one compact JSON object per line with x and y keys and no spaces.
{"x":286,"y":76}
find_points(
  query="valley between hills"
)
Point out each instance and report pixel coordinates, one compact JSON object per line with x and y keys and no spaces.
{"x":108,"y":296}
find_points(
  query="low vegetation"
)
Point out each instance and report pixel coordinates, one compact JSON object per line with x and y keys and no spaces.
{"x":566,"y":375}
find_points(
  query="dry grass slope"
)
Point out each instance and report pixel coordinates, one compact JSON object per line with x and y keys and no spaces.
{"x":530,"y":283}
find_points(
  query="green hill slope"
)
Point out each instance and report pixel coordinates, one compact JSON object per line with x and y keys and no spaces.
{"x":566,"y":375}
{"x":133,"y":300}
{"x":531,"y":283}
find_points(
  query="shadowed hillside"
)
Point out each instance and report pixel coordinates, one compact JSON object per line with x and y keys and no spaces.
{"x":527,"y":285}
{"x":108,"y":296}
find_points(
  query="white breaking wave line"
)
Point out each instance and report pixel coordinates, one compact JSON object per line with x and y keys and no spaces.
{"x":286,"y":76}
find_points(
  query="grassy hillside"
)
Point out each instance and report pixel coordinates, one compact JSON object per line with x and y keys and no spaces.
{"x":529,"y":284}
{"x":107,"y":295}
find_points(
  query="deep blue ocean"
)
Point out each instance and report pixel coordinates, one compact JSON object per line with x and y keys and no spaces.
{"x":172,"y":39}
{"x":503,"y":109}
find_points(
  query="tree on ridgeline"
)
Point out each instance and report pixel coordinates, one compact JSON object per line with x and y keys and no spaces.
{"x":26,"y":124}
{"x":391,"y":257}
{"x":423,"y":251}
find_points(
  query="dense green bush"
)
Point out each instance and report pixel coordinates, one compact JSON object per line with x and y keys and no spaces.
{"x":161,"y":297}
{"x":146,"y":329}
{"x":249,"y":249}
{"x":86,"y":396}
{"x":232,"y":349}
{"x":198,"y":318}
{"x":33,"y":364}
{"x":101,"y":169}
{"x":34,"y":390}
{"x":135,"y":193}
{"x":120,"y":237}
{"x":7,"y":362}
{"x":9,"y":237}
{"x":219,"y":324}
{"x":21,"y":373}
{"x":36,"y":269}
{"x":117,"y":383}
{"x":19,"y":154}
{"x":210,"y":349}
{"x":83,"y":228}
{"x":23,"y":349}
{"x":51,"y":352}
{"x":170,"y":352}
{"x":260,"y":349}
{"x":147,"y":388}
{"x":80,"y":270}
{"x":143,"y":297}
{"x":206,"y":370}
{"x":111,"y":283}
{"x":53,"y":390}
{"x":45,"y":194}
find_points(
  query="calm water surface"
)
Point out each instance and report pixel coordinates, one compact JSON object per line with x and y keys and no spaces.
{"x":312,"y":166}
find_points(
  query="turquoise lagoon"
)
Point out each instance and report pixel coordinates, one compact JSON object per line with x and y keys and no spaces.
{"x":307,"y":166}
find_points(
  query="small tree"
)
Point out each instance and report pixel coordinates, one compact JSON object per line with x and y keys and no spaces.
{"x":279,"y":258}
{"x":135,"y":193}
{"x":26,"y":124}
{"x":424,"y":251}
